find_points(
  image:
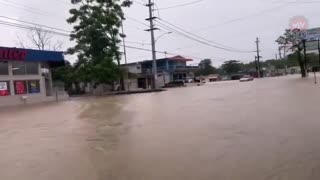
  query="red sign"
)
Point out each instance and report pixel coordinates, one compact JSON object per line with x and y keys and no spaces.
{"x":20,"y":87}
{"x":4,"y":90}
{"x":13,"y":54}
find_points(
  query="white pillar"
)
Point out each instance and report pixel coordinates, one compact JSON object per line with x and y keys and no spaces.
{"x":11,"y":84}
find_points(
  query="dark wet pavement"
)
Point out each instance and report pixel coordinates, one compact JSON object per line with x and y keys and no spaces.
{"x":262,"y":130}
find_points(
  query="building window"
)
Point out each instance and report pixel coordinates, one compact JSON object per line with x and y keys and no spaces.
{"x":32,"y":68}
{"x":33,"y":86}
{"x":4,"y":70}
{"x":25,"y":68}
{"x":18,"y":68}
{"x":4,"y":88}
{"x":27,"y":87}
{"x":20,"y":87}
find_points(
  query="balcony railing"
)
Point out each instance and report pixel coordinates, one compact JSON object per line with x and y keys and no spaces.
{"x":163,"y":68}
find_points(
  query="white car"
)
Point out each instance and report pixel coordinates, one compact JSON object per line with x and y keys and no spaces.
{"x":246,"y":78}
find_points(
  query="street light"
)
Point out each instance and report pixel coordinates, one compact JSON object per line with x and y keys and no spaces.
{"x":161,"y":36}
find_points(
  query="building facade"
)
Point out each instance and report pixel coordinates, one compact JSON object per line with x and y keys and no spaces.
{"x":25,"y":75}
{"x":171,"y":69}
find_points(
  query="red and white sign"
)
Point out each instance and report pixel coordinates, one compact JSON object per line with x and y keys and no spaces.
{"x":4,"y":90}
{"x":299,"y":22}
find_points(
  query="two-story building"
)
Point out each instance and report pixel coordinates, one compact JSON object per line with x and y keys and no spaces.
{"x":169,"y":70}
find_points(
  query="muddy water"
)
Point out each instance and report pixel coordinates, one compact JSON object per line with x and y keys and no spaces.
{"x":262,"y":130}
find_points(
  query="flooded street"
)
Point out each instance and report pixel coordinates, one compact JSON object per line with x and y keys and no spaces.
{"x":268,"y":129}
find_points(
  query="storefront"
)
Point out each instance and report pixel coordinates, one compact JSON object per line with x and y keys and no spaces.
{"x":25,"y":75}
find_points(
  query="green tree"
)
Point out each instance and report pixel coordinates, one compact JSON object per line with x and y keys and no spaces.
{"x":96,"y":33}
{"x":292,"y":39}
{"x":206,"y":68}
{"x":232,"y":66}
{"x":65,"y":74}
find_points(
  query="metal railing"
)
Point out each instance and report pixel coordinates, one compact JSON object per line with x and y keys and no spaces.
{"x":162,"y":68}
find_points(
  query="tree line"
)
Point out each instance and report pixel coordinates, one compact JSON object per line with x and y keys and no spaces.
{"x":234,"y":66}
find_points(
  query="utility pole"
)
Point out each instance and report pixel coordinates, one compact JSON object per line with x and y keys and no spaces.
{"x":256,"y":63}
{"x":258,"y":58}
{"x":319,"y":50}
{"x":276,"y":56}
{"x":154,"y":56}
{"x":305,"y":57}
{"x":125,"y":53}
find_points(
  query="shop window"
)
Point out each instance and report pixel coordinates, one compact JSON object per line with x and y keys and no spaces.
{"x":32,"y":68}
{"x":18,"y":68}
{"x":23,"y":68}
{"x":27,"y":87}
{"x":4,"y":68}
{"x":33,"y":86}
{"x":4,"y":88}
{"x":20,"y":87}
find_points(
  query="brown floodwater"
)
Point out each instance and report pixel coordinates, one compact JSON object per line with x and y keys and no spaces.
{"x":268,"y":129}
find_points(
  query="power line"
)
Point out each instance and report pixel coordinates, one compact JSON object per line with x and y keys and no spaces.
{"x":218,"y":44}
{"x":197,"y":40}
{"x":249,"y":16}
{"x":162,"y":52}
{"x":63,"y":2}
{"x":137,"y":21}
{"x":25,"y":6}
{"x":50,"y":27}
{"x":299,"y":2}
{"x":181,"y":5}
{"x":21,"y":26}
{"x":138,"y":2}
{"x":157,"y":8}
{"x":28,"y":10}
{"x":141,"y":43}
{"x":36,"y":24}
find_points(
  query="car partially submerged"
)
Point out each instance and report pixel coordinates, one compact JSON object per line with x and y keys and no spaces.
{"x":246,"y":78}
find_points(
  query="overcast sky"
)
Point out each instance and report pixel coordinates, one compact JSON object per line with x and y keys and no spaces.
{"x":233,"y":23}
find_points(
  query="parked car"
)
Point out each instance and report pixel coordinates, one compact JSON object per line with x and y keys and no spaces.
{"x":178,"y":83}
{"x":246,"y":78}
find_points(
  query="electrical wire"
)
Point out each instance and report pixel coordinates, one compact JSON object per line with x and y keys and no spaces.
{"x":181,"y":5}
{"x":29,"y":10}
{"x":249,"y":16}
{"x":63,"y":2}
{"x":25,"y":6}
{"x":156,"y":8}
{"x":137,"y":21}
{"x":138,"y":2}
{"x":197,"y":40}
{"x":192,"y":34}
{"x":36,"y":24}
{"x":140,"y":43}
{"x":44,"y":28}
{"x":162,"y":52}
{"x":21,"y":26}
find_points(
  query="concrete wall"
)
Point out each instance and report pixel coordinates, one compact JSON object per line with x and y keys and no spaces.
{"x":134,"y":68}
{"x":131,"y":84}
